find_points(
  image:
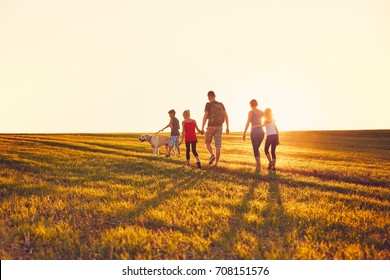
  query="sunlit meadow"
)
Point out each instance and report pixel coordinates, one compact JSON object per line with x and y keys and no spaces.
{"x":105,"y":196}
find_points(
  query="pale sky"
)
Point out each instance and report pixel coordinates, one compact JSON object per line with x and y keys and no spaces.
{"x":121,"y":65}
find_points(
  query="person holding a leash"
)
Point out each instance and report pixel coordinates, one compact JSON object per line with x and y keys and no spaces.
{"x":189,"y":136}
{"x":175,"y":134}
{"x":216,"y":115}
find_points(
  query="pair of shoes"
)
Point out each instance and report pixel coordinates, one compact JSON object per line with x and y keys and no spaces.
{"x":270,"y":165}
{"x":167,"y":155}
{"x":198,"y":164}
{"x":212,"y":159}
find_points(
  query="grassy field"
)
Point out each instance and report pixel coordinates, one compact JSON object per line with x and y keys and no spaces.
{"x":105,"y":196}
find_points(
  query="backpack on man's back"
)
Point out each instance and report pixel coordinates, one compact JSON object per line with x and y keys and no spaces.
{"x":216,"y":114}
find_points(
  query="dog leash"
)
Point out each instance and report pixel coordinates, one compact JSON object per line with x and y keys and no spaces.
{"x":157,"y":132}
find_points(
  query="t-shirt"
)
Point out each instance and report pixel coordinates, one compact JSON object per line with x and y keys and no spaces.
{"x":175,"y":127}
{"x":270,"y":128}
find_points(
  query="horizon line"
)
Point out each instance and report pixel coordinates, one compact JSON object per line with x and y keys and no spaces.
{"x":138,"y":132}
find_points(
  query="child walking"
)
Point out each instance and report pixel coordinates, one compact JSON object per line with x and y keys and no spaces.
{"x":189,"y":136}
{"x":272,"y":138}
{"x":175,"y":134}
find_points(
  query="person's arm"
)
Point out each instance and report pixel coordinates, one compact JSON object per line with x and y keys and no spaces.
{"x":197,"y":128}
{"x":227,"y":121}
{"x":207,"y":109}
{"x":205,"y":117}
{"x":169,"y":125}
{"x":247,"y":125}
{"x":277,"y":131}
{"x":183,"y":134}
{"x":263,"y":122}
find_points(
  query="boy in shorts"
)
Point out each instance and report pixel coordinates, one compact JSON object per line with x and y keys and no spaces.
{"x":175,"y":134}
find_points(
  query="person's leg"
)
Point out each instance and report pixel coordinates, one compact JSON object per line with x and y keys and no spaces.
{"x":193,"y":145}
{"x":273,"y":153}
{"x":217,"y":155}
{"x":172,"y":141}
{"x":218,"y":144}
{"x":266,"y":151}
{"x":210,"y":148}
{"x":188,"y":152}
{"x":255,"y":139}
{"x":212,"y":154}
{"x":261,"y":138}
{"x":178,"y":146}
{"x":209,"y":137}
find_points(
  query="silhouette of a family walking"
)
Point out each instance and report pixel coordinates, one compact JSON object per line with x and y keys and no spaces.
{"x":215,"y":115}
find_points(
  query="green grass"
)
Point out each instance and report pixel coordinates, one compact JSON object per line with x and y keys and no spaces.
{"x":105,"y":196}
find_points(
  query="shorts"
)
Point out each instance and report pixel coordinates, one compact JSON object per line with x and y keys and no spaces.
{"x":174,"y":141}
{"x":216,"y":132}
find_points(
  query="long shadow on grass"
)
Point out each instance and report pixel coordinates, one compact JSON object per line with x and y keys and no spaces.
{"x":75,"y":174}
{"x":237,"y":223}
{"x":14,"y":164}
{"x":272,"y":234}
{"x":81,"y":143}
{"x":359,"y":198}
{"x":333,"y":176}
{"x":131,"y":217}
{"x":100,"y":149}
{"x":7,"y":191}
{"x":95,"y":226}
{"x":72,"y":146}
{"x":332,"y":232}
{"x":242,"y":174}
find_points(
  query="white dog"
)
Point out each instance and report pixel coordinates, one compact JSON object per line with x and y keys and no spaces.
{"x":156,"y":142}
